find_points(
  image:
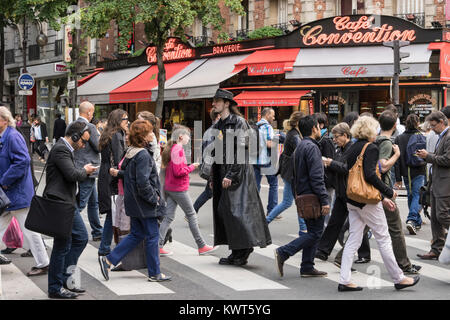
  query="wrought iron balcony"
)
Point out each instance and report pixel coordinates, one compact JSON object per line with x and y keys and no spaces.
{"x":282,"y":26}
{"x":34,"y":52}
{"x":242,"y":34}
{"x":59,"y":45}
{"x":92,"y":59}
{"x":9,"y":56}
{"x":417,"y":18}
{"x":201,"y":41}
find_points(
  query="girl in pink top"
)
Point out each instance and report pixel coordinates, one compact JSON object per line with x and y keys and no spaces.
{"x":176,"y":189}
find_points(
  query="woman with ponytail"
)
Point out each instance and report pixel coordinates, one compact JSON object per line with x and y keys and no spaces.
{"x":176,"y":187}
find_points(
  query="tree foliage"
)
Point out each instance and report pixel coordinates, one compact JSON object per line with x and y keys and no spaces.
{"x":161,"y":19}
{"x":265,"y":32}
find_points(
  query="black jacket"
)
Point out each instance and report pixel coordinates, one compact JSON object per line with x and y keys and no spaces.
{"x":286,"y":163}
{"x":328,"y":150}
{"x":43,"y":130}
{"x":309,"y":175}
{"x":340,"y":168}
{"x":370,"y":161}
{"x":62,"y":175}
{"x":59,"y":129}
{"x":141,"y":184}
{"x":106,"y":184}
{"x":401,"y":170}
{"x":238,"y":213}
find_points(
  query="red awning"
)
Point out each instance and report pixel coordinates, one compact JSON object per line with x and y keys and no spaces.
{"x":88,"y":77}
{"x":140,"y":88}
{"x":269,"y":98}
{"x":444,"y":61}
{"x":265,"y":62}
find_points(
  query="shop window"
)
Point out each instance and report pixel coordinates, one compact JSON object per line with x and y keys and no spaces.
{"x":421,"y":101}
{"x":346,"y":7}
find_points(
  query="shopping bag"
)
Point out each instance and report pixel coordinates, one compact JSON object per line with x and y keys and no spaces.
{"x":13,"y":237}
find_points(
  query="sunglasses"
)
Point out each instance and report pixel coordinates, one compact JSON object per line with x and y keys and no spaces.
{"x":123,"y":119}
{"x":84,"y":141}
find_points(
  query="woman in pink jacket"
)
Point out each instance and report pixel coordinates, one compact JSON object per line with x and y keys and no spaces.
{"x":176,"y":189}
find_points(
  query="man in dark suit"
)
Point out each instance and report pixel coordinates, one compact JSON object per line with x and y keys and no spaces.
{"x":61,"y":184}
{"x":440,"y":184}
{"x":59,"y":128}
{"x":40,"y":134}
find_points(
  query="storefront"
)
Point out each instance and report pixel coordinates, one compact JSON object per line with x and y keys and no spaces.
{"x":334,"y":65}
{"x":48,"y":92}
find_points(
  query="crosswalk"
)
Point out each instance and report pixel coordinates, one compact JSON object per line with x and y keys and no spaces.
{"x":16,"y":285}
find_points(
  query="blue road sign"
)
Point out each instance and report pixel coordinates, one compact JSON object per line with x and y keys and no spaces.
{"x":26,"y":81}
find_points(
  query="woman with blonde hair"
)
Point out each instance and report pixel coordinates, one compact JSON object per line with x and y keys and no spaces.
{"x":372,"y":215}
{"x":176,"y":185}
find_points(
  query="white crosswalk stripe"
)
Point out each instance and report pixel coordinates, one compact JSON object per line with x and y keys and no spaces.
{"x":121,"y":283}
{"x":16,"y":285}
{"x":237,"y":279}
{"x":359,"y":278}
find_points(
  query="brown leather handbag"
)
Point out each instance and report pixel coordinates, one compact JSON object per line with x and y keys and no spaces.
{"x":358,"y":189}
{"x":308,"y":205}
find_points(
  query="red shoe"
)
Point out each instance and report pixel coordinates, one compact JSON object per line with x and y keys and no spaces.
{"x":163,"y":252}
{"x":206,"y":249}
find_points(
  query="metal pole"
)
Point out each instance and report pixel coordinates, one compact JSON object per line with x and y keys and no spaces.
{"x":24,"y":54}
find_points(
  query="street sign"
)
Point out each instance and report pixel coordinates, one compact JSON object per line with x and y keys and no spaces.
{"x":25,"y":92}
{"x":59,"y":67}
{"x":26,"y":81}
{"x":71,"y":85}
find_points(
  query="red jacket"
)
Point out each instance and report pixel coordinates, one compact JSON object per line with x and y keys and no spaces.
{"x":177,"y":171}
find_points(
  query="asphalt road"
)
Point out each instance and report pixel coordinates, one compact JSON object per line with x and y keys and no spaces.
{"x":201,"y":278}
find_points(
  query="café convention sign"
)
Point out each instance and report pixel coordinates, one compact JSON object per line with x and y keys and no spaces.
{"x":340,"y":31}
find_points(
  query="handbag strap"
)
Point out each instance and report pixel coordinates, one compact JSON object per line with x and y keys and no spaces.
{"x":42,"y":174}
{"x":361,"y":155}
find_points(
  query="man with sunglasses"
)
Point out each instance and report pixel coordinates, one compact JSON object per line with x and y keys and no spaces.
{"x":89,"y":154}
{"x":61,"y":184}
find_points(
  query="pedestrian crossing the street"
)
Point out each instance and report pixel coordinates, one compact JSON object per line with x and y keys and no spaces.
{"x":16,"y":285}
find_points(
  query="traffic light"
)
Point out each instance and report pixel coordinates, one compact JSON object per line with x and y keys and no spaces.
{"x":398,"y":56}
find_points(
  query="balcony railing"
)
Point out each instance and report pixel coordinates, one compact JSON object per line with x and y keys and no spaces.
{"x":242,"y":34}
{"x":201,"y":41}
{"x":9,"y":57}
{"x":34,"y":52}
{"x":282,"y":26}
{"x":417,"y":18}
{"x":92,"y":59}
{"x":59,"y":45}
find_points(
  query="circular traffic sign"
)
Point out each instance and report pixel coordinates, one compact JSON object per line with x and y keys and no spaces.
{"x":26,"y":81}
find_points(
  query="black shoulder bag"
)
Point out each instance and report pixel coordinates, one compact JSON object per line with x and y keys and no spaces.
{"x":51,"y":217}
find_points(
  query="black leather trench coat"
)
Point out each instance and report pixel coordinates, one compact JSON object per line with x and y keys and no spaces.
{"x":239,"y":219}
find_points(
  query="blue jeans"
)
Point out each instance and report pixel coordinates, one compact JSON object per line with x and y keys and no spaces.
{"x":413,"y":199}
{"x":203,"y":198}
{"x":273,"y":189}
{"x":107,"y":236}
{"x":65,"y":254}
{"x":89,"y":197}
{"x":308,"y":242}
{"x":288,"y":199}
{"x":141,"y":228}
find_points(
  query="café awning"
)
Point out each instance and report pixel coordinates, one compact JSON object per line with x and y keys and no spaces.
{"x":358,"y":62}
{"x":97,"y":88}
{"x":444,"y":60}
{"x":203,"y":81}
{"x":269,"y":98}
{"x":267,"y":62}
{"x":140,"y":88}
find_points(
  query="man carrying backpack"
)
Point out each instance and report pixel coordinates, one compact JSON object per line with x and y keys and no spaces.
{"x":412,"y":169}
{"x":388,"y":156}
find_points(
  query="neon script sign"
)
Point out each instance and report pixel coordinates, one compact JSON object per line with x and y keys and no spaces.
{"x":173,"y":50}
{"x":362,"y":31}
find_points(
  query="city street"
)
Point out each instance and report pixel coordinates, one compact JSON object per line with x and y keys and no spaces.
{"x":202,"y":278}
